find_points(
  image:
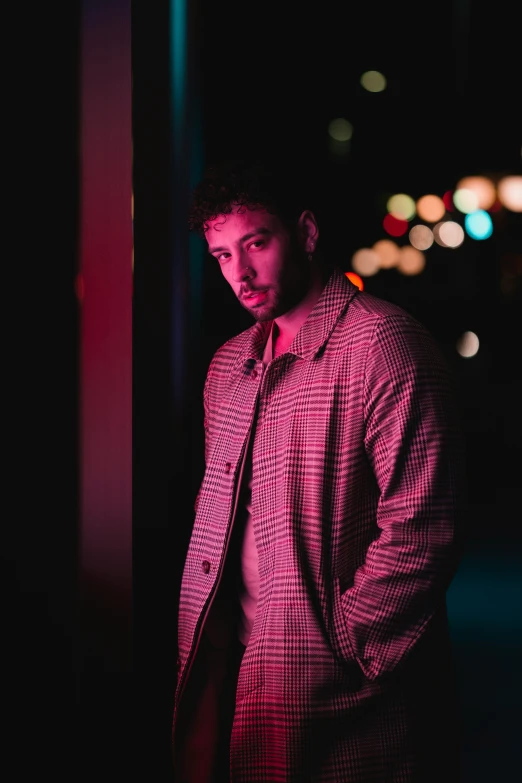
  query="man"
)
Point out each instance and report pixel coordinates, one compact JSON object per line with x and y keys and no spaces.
{"x":313,"y":638}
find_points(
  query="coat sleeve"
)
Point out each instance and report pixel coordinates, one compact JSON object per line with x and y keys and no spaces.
{"x":414,"y":445}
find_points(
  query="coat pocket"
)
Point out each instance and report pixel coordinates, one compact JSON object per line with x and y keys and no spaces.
{"x":341,"y":639}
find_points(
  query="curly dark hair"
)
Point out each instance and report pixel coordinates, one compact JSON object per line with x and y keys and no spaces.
{"x":276,"y":187}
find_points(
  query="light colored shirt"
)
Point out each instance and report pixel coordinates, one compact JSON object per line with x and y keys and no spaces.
{"x":249,"y":572}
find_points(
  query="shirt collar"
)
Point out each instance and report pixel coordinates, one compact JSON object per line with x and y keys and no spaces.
{"x":314,"y":332}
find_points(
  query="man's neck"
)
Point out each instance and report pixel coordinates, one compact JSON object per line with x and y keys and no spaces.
{"x":279,"y":344}
{"x":286,"y":326}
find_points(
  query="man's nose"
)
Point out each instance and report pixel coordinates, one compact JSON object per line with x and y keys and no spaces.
{"x":242,"y":271}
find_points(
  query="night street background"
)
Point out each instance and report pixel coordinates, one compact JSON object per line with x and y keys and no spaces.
{"x":117,"y":100}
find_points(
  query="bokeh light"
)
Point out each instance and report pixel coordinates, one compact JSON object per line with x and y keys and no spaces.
{"x":465,"y":200}
{"x":411,"y":261}
{"x":340,"y":129}
{"x":394,"y":226}
{"x":373,"y":81}
{"x":448,"y":200}
{"x":388,"y":253}
{"x":448,"y":233}
{"x":478,"y":224}
{"x":366,"y":262}
{"x":421,"y":237}
{"x":431,"y":208}
{"x":468,"y":344}
{"x":483,"y":188}
{"x":356,"y":280}
{"x":510,"y":193}
{"x":401,"y":206}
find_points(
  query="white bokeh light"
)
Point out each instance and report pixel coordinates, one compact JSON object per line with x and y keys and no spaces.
{"x":421,"y":237}
{"x":468,"y":344}
{"x":448,"y":233}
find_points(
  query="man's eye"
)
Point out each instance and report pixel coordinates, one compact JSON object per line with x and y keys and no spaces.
{"x":257,"y":244}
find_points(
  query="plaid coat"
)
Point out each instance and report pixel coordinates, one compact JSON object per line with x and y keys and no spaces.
{"x":355,"y":483}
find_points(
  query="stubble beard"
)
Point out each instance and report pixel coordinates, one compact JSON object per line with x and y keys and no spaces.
{"x":296,"y":290}
{"x":266,"y":312}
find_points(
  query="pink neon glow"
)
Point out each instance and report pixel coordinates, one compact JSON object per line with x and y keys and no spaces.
{"x":104,"y":286}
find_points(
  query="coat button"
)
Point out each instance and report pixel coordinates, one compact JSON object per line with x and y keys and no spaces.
{"x":205,"y":566}
{"x":227,"y":467}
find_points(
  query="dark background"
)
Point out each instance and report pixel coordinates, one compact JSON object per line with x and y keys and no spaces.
{"x":271,"y":80}
{"x":266,"y":79}
{"x":273,"y":77}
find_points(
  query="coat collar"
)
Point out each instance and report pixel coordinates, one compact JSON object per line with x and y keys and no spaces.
{"x":312,"y":335}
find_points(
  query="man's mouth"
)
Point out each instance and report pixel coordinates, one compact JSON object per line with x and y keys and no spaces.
{"x":253,"y":297}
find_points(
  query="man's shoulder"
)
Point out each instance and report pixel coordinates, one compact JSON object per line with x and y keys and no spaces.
{"x":369,"y":311}
{"x":368,"y":306}
{"x":393,"y":333}
{"x":233,"y":349}
{"x":371,"y":321}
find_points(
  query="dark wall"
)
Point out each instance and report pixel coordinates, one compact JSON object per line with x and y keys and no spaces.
{"x":40,"y":488}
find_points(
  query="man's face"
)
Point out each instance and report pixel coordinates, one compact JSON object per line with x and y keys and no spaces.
{"x":260,"y":260}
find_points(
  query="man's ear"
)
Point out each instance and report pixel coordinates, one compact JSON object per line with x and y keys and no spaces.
{"x":307,"y":231}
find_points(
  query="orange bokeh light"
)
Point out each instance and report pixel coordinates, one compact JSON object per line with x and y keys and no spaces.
{"x":510,"y":193}
{"x":388,"y":253}
{"x":431,"y":208}
{"x":356,"y":280}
